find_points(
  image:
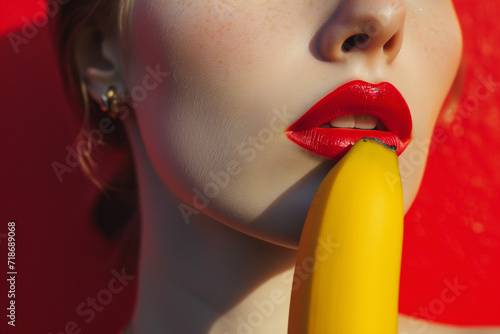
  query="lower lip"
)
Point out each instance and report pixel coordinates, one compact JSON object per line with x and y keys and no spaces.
{"x":334,"y":143}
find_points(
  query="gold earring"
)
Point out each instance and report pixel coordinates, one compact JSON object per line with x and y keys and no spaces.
{"x":109,"y":102}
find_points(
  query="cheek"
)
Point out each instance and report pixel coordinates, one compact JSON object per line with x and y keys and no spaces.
{"x":433,"y":46}
{"x":436,"y":41}
{"x":193,"y":122}
{"x":217,"y":57}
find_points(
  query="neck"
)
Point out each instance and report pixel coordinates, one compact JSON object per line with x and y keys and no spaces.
{"x":204,"y":277}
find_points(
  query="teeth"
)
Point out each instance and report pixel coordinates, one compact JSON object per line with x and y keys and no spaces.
{"x":365,"y":122}
{"x":347,"y":121}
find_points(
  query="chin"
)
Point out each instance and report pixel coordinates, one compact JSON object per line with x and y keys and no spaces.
{"x":274,"y":226}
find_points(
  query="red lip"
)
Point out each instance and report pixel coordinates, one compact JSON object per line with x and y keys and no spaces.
{"x":382,"y":101}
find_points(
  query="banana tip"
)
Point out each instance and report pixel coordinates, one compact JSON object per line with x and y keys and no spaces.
{"x":391,"y":147}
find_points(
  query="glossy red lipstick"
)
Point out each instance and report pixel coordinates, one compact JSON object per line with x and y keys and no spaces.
{"x":382,"y":101}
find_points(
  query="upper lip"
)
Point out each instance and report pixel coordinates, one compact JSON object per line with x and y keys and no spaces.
{"x":382,"y":101}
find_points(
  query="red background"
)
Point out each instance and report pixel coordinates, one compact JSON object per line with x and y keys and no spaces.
{"x":452,"y":231}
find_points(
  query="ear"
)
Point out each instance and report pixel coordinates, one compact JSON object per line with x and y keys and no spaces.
{"x":97,"y":56}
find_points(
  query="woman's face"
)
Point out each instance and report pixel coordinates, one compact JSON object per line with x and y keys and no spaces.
{"x":240,"y":72}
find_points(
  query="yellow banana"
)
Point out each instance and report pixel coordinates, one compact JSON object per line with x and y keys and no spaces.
{"x":353,"y":286}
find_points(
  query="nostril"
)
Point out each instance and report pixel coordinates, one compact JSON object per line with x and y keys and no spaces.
{"x":390,"y":43}
{"x":358,"y":40}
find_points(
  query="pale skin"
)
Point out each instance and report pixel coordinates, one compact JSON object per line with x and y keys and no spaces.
{"x":226,"y":70}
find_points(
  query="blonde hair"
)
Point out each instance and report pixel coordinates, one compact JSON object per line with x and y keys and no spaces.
{"x":108,"y":162}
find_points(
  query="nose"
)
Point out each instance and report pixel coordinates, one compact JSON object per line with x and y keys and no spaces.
{"x":371,"y":27}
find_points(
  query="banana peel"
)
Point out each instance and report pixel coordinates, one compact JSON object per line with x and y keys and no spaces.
{"x":358,"y":206}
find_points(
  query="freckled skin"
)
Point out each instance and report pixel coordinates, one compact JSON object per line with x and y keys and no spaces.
{"x":235,"y":61}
